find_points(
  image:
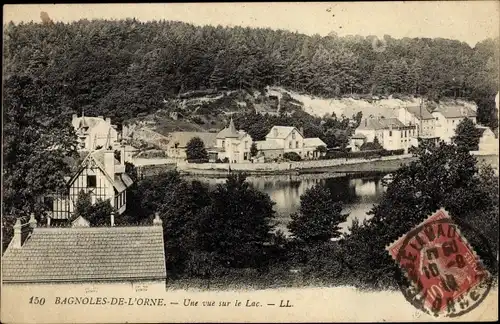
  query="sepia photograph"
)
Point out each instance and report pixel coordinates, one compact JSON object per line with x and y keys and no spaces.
{"x":250,"y":162}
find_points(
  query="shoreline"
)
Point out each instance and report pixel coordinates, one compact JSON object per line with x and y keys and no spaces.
{"x":304,"y":168}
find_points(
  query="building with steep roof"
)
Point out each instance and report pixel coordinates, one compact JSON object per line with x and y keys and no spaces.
{"x":391,"y":133}
{"x":94,"y":132}
{"x":101,"y":175}
{"x":233,"y":145}
{"x":447,"y":119}
{"x":283,"y":139}
{"x":84,"y":255}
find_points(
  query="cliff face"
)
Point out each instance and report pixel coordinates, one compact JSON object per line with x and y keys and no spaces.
{"x":211,"y":110}
{"x":367,"y":105}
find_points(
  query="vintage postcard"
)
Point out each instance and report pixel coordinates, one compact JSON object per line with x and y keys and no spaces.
{"x":250,"y":162}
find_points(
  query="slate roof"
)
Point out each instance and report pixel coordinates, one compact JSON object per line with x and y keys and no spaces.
{"x":381,"y":123}
{"x":87,"y":255}
{"x":313,"y":142}
{"x":184,"y":137}
{"x":423,"y":113}
{"x":455,"y":111}
{"x":280,"y":132}
{"x":268,"y":145}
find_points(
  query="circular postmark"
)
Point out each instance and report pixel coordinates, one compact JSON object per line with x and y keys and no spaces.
{"x":441,"y":274}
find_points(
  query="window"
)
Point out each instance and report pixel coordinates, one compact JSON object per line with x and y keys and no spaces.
{"x":293,"y":135}
{"x":49,"y":202}
{"x":390,"y":133}
{"x":290,"y":144}
{"x":223,"y":142}
{"x":91,"y":181}
{"x":246,"y":145}
{"x":297,"y":144}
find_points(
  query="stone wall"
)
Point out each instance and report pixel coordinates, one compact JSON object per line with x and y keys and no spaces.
{"x":339,"y":164}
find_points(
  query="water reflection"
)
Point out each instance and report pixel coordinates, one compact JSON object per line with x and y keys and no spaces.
{"x":357,"y":194}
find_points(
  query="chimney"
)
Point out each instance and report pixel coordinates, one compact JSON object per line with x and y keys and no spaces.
{"x":73,"y":117}
{"x":101,"y":117}
{"x":109,"y":162}
{"x":32,"y":221}
{"x":157,"y":221}
{"x":302,"y":131}
{"x":122,"y":155}
{"x":108,"y":121}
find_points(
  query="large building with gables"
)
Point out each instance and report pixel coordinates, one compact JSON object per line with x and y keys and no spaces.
{"x":101,"y":175}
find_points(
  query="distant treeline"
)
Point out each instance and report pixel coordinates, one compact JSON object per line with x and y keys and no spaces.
{"x":122,"y":68}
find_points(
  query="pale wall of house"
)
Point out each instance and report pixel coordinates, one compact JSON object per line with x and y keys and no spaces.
{"x":294,"y":142}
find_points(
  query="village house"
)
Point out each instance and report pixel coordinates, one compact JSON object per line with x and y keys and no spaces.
{"x":78,"y":256}
{"x":391,"y":133}
{"x":447,"y":119}
{"x":101,"y":175}
{"x":284,"y":139}
{"x":176,"y":147}
{"x":488,"y":143}
{"x":233,"y":145}
{"x":94,"y":132}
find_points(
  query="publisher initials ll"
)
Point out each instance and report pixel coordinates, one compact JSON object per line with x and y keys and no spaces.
{"x":282,"y":303}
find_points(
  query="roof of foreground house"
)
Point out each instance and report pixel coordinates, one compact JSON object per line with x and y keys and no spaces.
{"x":87,"y":255}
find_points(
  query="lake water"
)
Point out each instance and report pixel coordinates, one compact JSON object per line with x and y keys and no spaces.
{"x":358,"y":194}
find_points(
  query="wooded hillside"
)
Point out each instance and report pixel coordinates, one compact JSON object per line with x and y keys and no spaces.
{"x":122,"y":68}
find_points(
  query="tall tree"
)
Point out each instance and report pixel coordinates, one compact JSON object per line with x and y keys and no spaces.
{"x":318,"y":218}
{"x":237,"y":224}
{"x":195,"y":150}
{"x":467,"y":135}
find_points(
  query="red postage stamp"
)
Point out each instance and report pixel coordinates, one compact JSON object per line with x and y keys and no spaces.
{"x":447,"y":276}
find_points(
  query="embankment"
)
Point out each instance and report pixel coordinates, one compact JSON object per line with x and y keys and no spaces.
{"x":382,"y":164}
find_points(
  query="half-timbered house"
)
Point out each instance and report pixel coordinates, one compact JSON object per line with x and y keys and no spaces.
{"x":102,"y":176}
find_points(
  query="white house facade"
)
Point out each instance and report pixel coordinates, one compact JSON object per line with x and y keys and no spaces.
{"x":391,"y":133}
{"x":284,"y":139}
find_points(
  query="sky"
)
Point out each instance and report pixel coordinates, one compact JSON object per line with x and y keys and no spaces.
{"x":468,"y":21}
